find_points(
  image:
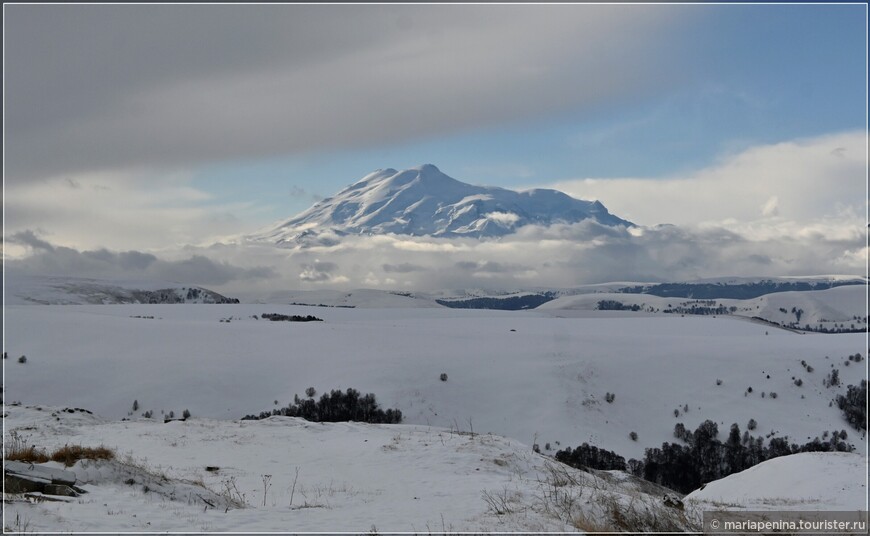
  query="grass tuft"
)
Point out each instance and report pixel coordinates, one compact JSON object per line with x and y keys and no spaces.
{"x":70,"y":454}
{"x":28,"y":454}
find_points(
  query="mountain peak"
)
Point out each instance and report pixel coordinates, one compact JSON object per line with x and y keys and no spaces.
{"x":424,"y":201}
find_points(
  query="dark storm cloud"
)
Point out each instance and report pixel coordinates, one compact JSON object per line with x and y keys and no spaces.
{"x":29,"y":238}
{"x":92,"y":87}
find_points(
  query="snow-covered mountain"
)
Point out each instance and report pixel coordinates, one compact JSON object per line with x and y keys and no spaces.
{"x":424,"y":201}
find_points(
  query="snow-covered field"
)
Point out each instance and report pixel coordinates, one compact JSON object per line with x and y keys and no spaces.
{"x":513,"y":378}
{"x":524,"y":375}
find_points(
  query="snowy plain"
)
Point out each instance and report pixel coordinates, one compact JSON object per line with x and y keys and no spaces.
{"x":513,"y":378}
{"x":543,"y":383}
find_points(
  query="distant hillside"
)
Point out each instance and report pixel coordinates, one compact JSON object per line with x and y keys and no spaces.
{"x":28,"y":289}
{"x":736,"y":291}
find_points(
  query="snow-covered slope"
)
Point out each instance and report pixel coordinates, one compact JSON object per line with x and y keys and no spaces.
{"x":29,"y":289}
{"x":806,"y":481}
{"x":285,"y":474}
{"x":425,"y":201}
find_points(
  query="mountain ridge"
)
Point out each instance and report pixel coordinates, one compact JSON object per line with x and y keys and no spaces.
{"x":423,"y":201}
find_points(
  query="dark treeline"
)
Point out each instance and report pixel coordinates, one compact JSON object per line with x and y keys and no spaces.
{"x":695,"y":309}
{"x":613,"y":305}
{"x":701,"y":458}
{"x":512,"y":303}
{"x":337,"y":406}
{"x":841,"y":328}
{"x":275,"y":317}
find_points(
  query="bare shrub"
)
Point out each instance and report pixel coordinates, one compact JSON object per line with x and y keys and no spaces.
{"x":498,"y":501}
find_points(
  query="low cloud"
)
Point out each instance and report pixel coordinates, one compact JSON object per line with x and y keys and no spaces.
{"x":47,"y":259}
{"x":29,"y":238}
{"x":556,"y":256}
{"x":403,"y":268}
{"x":317,"y":272}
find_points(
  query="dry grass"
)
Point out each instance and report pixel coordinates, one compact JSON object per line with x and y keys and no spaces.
{"x":17,"y":449}
{"x":28,"y":454}
{"x":70,"y":454}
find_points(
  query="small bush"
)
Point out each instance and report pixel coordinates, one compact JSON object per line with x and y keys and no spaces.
{"x":443,"y":376}
{"x":772,"y":394}
{"x":718,"y":381}
{"x":633,"y":436}
{"x":752,"y":425}
{"x":22,"y":359}
{"x":798,"y":382}
{"x":609,"y":397}
{"x":310,"y":392}
{"x":186,"y":414}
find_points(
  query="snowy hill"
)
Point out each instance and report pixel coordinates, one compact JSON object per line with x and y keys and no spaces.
{"x":286,"y":473}
{"x":842,"y":307}
{"x":45,"y":290}
{"x":425,"y":201}
{"x":805,"y":481}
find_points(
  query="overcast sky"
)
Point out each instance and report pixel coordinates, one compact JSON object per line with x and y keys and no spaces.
{"x":139,"y":138}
